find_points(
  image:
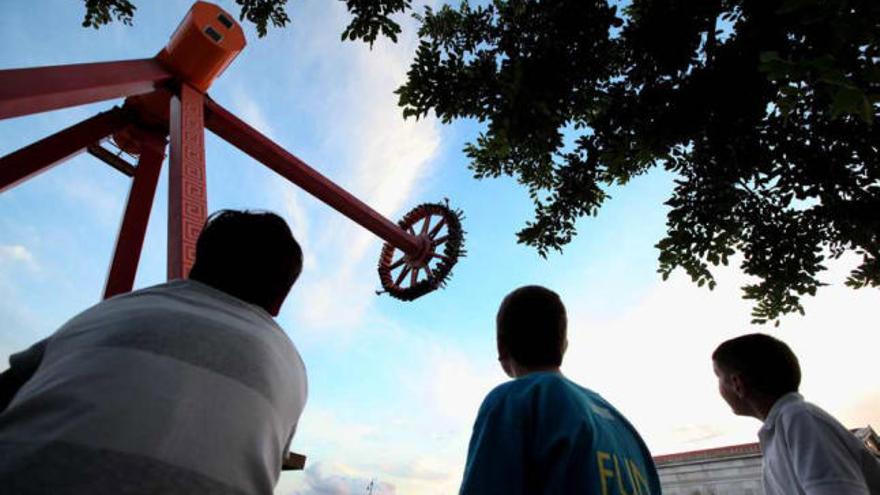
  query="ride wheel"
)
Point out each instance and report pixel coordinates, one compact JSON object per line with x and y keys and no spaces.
{"x":409,"y":276}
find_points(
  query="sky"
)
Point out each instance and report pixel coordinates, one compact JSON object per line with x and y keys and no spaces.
{"x":394,"y":387}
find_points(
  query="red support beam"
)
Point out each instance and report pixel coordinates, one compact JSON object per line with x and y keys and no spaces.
{"x":45,"y":153}
{"x":130,"y":242}
{"x":187,"y":196}
{"x":108,"y":157}
{"x":249,"y":140}
{"x":27,"y":91}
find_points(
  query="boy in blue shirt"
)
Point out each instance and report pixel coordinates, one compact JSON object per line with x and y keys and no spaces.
{"x":541,"y":433}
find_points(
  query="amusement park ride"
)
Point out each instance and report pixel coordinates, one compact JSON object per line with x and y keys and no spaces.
{"x":166,"y":96}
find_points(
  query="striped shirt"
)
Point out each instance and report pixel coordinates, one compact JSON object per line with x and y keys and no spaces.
{"x":175,"y":389}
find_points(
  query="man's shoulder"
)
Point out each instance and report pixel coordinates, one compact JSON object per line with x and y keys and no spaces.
{"x":533,"y":383}
{"x":510,"y":390}
{"x":500,"y":392}
{"x":543,"y":387}
{"x":178,"y":304}
{"x":803,"y":416}
{"x":801,"y":409}
{"x":526,"y":397}
{"x":172,"y":288}
{"x":155,"y":293}
{"x":190,"y":296}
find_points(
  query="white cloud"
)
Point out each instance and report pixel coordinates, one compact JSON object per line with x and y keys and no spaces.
{"x":21,"y":324}
{"x":247,"y":108}
{"x":862,"y":410}
{"x":321,"y":479}
{"x":332,"y":432}
{"x":298,"y":218}
{"x":337,"y":296}
{"x":349,"y":467}
{"x":17,"y":254}
{"x":422,"y":469}
{"x":452,"y":384}
{"x":94,"y":194}
{"x":653,"y":361}
{"x":415,"y":436}
{"x":367,"y":148}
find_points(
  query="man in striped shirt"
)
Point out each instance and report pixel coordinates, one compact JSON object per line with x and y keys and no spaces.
{"x":186,"y":387}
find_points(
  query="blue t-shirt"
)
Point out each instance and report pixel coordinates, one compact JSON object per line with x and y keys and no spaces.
{"x":544,"y":434}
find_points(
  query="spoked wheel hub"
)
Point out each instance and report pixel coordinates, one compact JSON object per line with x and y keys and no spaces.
{"x":407,"y":276}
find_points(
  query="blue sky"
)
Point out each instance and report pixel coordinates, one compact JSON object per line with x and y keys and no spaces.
{"x":394,"y":386}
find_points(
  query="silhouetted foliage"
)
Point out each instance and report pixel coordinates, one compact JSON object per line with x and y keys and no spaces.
{"x":100,"y":12}
{"x":763,"y":109}
{"x":370,"y":17}
{"x":262,"y":12}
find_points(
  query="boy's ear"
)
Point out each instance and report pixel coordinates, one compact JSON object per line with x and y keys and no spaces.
{"x":738,"y":385}
{"x":502,"y":353}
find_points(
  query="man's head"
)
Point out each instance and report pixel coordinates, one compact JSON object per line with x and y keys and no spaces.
{"x":531,"y":326}
{"x":250,"y":255}
{"x":754,"y":371}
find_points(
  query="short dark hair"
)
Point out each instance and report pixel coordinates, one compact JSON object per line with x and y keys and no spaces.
{"x":251,"y":255}
{"x":532,"y":325}
{"x":766,"y":364}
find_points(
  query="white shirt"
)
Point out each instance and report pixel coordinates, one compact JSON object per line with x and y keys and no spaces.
{"x":808,"y":452}
{"x":174,"y":389}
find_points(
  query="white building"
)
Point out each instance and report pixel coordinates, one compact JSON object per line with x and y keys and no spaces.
{"x":733,"y":470}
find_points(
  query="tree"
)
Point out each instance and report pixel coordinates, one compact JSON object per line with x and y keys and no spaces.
{"x":371,"y":17}
{"x":763,"y":109}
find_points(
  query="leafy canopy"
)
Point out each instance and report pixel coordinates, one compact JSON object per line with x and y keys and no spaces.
{"x":763,"y":109}
{"x":371,"y":17}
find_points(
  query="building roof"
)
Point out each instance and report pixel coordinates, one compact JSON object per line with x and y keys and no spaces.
{"x":866,"y":434}
{"x":745,"y":449}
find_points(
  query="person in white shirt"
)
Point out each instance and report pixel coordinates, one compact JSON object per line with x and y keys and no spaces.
{"x":805,"y":450}
{"x":188,"y":387}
